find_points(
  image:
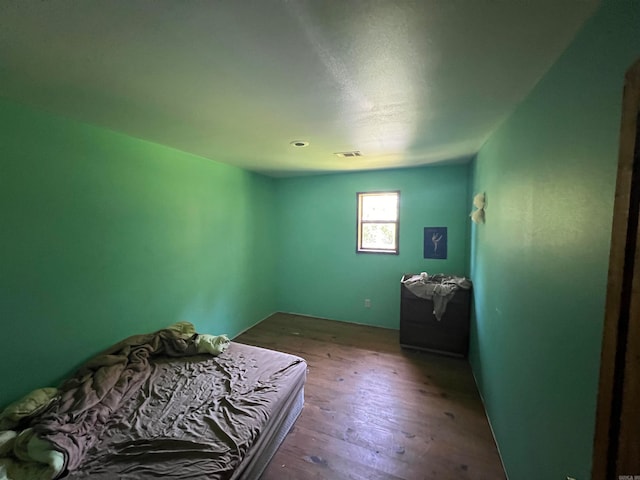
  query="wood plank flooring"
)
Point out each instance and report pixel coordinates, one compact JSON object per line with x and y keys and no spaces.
{"x":375,"y":411}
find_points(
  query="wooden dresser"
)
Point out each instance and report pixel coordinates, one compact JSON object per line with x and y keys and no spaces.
{"x":420,"y":329}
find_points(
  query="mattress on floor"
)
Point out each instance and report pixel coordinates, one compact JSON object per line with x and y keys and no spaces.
{"x":202,"y":417}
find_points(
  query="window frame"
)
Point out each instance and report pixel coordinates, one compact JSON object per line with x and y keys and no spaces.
{"x":360,"y":222}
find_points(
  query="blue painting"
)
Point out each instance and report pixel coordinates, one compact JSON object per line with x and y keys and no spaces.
{"x":435,"y":242}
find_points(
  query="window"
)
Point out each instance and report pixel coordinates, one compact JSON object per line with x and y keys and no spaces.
{"x":378,"y":218}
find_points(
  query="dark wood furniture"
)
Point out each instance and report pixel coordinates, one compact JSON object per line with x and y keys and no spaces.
{"x":420,"y":329}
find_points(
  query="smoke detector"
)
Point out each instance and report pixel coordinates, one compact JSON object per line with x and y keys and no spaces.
{"x":299,"y":143}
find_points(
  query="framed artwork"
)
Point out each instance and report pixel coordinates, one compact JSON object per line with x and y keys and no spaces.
{"x":435,"y":242}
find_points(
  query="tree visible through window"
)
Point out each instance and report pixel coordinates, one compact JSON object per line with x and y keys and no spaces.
{"x":378,"y":216}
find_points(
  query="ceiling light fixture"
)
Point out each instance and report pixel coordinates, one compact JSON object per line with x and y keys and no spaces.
{"x":299,"y":143}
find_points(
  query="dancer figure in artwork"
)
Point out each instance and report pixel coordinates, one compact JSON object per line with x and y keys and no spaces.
{"x":435,"y":238}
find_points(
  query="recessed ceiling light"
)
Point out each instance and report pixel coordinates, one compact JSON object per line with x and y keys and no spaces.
{"x":299,"y":143}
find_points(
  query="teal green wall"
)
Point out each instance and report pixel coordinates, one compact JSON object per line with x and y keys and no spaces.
{"x":319,"y":272}
{"x":539,"y":264}
{"x":104,"y":236}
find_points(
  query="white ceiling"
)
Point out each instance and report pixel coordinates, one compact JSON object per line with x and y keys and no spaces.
{"x":406,"y":82}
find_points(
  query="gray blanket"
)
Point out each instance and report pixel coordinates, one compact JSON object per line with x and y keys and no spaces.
{"x":88,"y":399}
{"x":196,"y":417}
{"x":152,"y":407}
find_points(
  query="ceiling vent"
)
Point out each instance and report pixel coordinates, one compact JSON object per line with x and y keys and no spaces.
{"x":354,"y":153}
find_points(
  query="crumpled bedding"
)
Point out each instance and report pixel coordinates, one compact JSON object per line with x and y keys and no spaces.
{"x":58,"y":438}
{"x":194,"y":417}
{"x":439,"y":288}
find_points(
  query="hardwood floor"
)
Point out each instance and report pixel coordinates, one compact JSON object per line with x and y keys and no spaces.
{"x":375,"y":411}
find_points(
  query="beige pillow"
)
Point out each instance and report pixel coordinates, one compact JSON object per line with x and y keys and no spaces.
{"x":213,"y":344}
{"x":28,"y":405}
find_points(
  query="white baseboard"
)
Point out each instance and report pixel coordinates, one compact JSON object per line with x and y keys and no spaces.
{"x":253,"y":325}
{"x":486,"y":413}
{"x":334,"y":320}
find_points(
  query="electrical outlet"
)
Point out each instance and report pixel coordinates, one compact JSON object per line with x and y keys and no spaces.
{"x":367,"y":303}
